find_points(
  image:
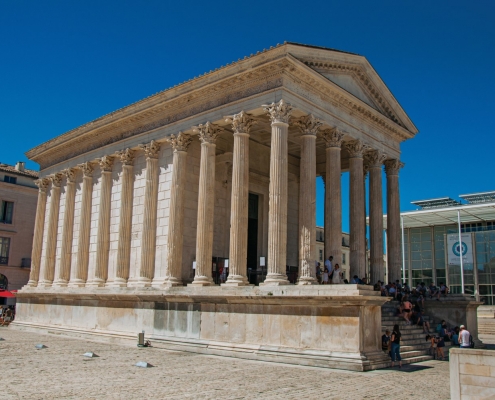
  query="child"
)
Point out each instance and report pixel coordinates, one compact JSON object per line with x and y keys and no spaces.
{"x":325,"y":276}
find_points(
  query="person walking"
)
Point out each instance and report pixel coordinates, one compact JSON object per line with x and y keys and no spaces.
{"x":464,"y":336}
{"x":395,"y":352}
{"x":337,"y":274}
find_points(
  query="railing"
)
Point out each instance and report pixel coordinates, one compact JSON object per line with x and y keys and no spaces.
{"x":4,"y":260}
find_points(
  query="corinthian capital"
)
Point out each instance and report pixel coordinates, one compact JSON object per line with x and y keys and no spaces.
{"x":42,"y":184}
{"x":180,"y":142}
{"x":332,"y":137}
{"x":56,"y":179}
{"x":241,"y":123}
{"x":106,"y":163}
{"x":87,"y":169}
{"x":308,"y":124}
{"x":208,"y":132}
{"x":279,"y":112}
{"x":150,"y":149}
{"x":356,"y":148}
{"x":126,"y":156}
{"x":70,"y":174}
{"x":374,"y":158}
{"x":392,"y":166}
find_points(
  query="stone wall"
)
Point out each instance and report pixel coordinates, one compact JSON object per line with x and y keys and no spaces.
{"x":472,"y":374}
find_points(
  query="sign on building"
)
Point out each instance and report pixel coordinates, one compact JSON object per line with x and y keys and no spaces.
{"x":454,"y":249}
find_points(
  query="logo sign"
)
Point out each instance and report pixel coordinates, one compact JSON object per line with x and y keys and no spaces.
{"x":456,"y":249}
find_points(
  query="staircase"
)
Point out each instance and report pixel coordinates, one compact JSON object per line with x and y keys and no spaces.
{"x":414,"y":348}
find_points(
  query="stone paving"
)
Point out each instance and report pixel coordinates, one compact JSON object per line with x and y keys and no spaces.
{"x":61,"y":372}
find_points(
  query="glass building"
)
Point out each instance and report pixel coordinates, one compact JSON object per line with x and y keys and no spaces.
{"x":425,"y":236}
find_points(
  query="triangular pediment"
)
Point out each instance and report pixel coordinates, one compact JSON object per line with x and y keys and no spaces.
{"x":349,"y":83}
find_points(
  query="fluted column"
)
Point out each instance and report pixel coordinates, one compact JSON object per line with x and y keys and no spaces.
{"x":206,"y":204}
{"x":356,"y":149}
{"x":103,"y":234}
{"x":51,"y":242}
{"x":39,"y":226}
{"x":148,"y":240}
{"x":241,"y":124}
{"x":173,"y":269}
{"x":309,"y":126}
{"x":67,"y":229}
{"x":277,"y":213}
{"x":374,"y":160}
{"x":81,"y":274}
{"x":126,"y":157}
{"x":333,"y":195}
{"x":393,"y":220}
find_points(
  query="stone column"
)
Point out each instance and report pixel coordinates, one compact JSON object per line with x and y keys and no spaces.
{"x":374,"y":160}
{"x":81,"y":274}
{"x":51,"y":242}
{"x":148,"y":240}
{"x":125,"y":221}
{"x":68,"y":228}
{"x":277,"y":214}
{"x":103,"y":234}
{"x":309,"y":126}
{"x":39,"y":226}
{"x":365,"y":175}
{"x":173,"y":271}
{"x":356,"y":149}
{"x":333,"y":195}
{"x":394,"y":239}
{"x":241,"y":124}
{"x":206,"y":204}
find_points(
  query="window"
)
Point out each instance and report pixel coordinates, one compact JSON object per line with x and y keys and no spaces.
{"x":6,"y":212}
{"x":321,"y":255}
{"x":10,"y":179}
{"x":343,"y":258}
{"x":4,"y":250}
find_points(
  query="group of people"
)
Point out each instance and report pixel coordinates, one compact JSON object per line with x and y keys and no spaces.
{"x":332,"y":274}
{"x":7,"y":315}
{"x":398,"y":290}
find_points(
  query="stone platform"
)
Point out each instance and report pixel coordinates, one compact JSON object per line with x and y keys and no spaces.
{"x":334,"y":326}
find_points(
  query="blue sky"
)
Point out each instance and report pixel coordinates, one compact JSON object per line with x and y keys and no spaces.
{"x":66,"y":63}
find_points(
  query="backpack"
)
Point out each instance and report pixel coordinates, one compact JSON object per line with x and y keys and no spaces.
{"x":471,"y":342}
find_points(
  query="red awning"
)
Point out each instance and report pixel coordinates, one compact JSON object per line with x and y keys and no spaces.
{"x":6,"y":293}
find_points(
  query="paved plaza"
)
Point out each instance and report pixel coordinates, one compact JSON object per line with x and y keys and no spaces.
{"x":61,"y":372}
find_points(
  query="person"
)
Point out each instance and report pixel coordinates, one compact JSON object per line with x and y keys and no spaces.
{"x":7,"y":317}
{"x":318,"y":272}
{"x":392,"y":291}
{"x":395,"y":351}
{"x":464,"y":335}
{"x":443,"y":290}
{"x":440,"y":345}
{"x":455,"y":336}
{"x":337,"y":275}
{"x":437,"y":345}
{"x":386,"y":342}
{"x":329,"y":264}
{"x":433,"y":290}
{"x":406,"y":310}
{"x":325,"y":277}
{"x":355,"y":279}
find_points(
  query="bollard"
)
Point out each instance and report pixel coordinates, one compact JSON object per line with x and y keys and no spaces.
{"x":141,"y":339}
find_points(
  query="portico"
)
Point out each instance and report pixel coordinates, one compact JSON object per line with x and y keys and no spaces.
{"x":144,"y":198}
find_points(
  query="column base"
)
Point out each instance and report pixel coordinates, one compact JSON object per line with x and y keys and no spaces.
{"x":61,"y":283}
{"x":275,"y":280}
{"x":117,"y":282}
{"x":236,"y":280}
{"x":96,"y":282}
{"x":307,"y":280}
{"x":31,"y":283}
{"x":77,"y":283}
{"x":140,"y":282}
{"x":202,"y":281}
{"x":45,"y":284}
{"x":169,"y":281}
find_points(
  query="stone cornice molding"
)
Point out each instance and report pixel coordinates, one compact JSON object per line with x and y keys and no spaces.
{"x":180,"y":142}
{"x":56,"y":179}
{"x":70,"y":174}
{"x":208,"y":132}
{"x":87,"y":169}
{"x":392,"y":166}
{"x":308,"y":125}
{"x":126,"y":156}
{"x":42,"y":184}
{"x":150,"y":149}
{"x":278,"y":112}
{"x":106,"y":163}
{"x":374,"y":158}
{"x":356,"y":148}
{"x":241,"y":122}
{"x":333,"y":137}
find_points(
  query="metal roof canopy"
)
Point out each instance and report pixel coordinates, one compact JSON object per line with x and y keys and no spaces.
{"x":476,"y":198}
{"x":436,"y":203}
{"x":447,"y":215}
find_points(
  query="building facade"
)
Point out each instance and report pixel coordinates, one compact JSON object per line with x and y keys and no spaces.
{"x":18,"y":197}
{"x":320,"y":255}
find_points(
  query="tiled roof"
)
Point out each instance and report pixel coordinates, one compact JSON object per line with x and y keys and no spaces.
{"x":11,"y":170}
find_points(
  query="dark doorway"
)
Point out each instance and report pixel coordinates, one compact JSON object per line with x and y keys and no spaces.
{"x":252,"y":247}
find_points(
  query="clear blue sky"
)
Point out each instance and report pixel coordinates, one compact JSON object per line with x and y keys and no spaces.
{"x":65,"y":63}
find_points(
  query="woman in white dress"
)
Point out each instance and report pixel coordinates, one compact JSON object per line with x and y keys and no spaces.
{"x":337,"y":275}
